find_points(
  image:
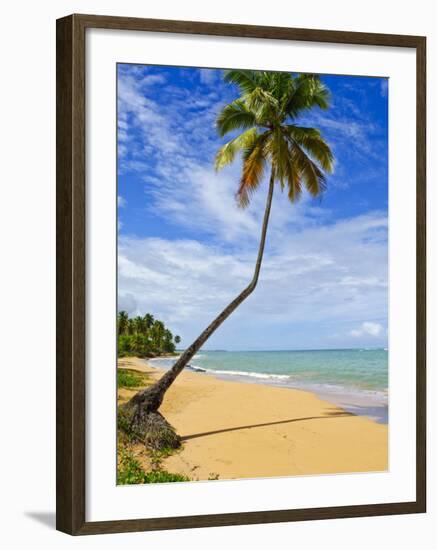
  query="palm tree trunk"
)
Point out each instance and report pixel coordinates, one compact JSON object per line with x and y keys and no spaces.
{"x":148,"y":401}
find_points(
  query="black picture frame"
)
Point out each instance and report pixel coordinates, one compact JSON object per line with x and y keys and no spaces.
{"x":71,"y":280}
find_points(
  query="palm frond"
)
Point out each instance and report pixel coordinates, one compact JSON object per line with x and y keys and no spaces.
{"x":294,"y":184}
{"x":309,"y":92}
{"x":263,"y":104}
{"x":282,"y":85}
{"x":312,"y":141}
{"x":234,"y":116}
{"x":226,"y":154}
{"x":246,"y":80}
{"x":279,"y":153}
{"x":284,"y":165}
{"x":254,"y":159}
{"x":313,"y":178}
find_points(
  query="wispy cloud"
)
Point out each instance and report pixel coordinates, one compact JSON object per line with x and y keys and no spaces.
{"x":209,"y":76}
{"x":368,"y":329}
{"x":384,"y":87}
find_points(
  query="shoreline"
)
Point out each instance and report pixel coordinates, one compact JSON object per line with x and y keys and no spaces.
{"x":232,"y":430}
{"x":360,"y":402}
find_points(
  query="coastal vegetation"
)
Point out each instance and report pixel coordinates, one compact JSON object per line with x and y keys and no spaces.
{"x":130,"y":469}
{"x":264,"y":129}
{"x":144,"y":336}
{"x":131,"y":379}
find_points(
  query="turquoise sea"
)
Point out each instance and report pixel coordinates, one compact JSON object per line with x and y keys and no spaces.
{"x":356,"y":379}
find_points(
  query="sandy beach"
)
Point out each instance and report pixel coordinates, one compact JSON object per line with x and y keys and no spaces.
{"x":243,"y":430}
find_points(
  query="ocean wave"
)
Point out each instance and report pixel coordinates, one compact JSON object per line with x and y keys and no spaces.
{"x":197,"y":369}
{"x":261,"y":375}
{"x":168,"y":362}
{"x":301,"y":380}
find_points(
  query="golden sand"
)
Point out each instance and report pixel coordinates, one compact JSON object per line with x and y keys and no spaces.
{"x":247,"y":430}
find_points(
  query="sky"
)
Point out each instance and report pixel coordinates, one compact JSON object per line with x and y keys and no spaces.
{"x":185,"y":249}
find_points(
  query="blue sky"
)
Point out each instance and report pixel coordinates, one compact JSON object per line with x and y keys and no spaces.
{"x":186,"y":249}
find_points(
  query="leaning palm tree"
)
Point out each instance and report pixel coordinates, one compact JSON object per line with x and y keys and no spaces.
{"x":298,"y":157}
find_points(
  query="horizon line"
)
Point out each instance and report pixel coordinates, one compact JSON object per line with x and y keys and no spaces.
{"x":365,"y":348}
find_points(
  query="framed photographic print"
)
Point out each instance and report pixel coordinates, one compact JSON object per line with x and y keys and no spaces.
{"x":240,"y":274}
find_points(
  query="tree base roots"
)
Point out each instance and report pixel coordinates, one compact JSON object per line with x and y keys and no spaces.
{"x":148,"y":427}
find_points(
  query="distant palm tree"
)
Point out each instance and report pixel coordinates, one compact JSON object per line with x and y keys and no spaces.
{"x":148,"y":320}
{"x":168,"y":345}
{"x":140,"y":326}
{"x":131,"y":327}
{"x":298,"y":157}
{"x":177,"y":339}
{"x":158,"y":331}
{"x":136,"y":342}
{"x":123,"y":318}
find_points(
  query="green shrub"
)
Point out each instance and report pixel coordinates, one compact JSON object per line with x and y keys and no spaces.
{"x":130,"y":472}
{"x":161,"y":476}
{"x":130,"y":379}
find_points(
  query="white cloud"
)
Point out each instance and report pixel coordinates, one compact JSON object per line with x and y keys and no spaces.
{"x":152,"y":79}
{"x":384,"y":87}
{"x":350,"y":128}
{"x":208,"y":76}
{"x":136,"y":111}
{"x":121,"y":201}
{"x":368,"y":329}
{"x":346,"y":128}
{"x":197,"y":198}
{"x":327,"y":275}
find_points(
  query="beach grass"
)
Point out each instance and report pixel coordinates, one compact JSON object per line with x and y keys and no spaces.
{"x":131,"y":472}
{"x":132,"y":379}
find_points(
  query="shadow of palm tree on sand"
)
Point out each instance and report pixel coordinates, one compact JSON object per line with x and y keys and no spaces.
{"x":331,"y":413}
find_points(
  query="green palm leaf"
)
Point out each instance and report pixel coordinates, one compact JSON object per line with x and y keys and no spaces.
{"x":313,"y":178}
{"x":246,"y":80}
{"x":308,"y":93}
{"x":226,"y":154}
{"x":254,"y":160}
{"x":235,"y":116}
{"x":311,"y":140}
